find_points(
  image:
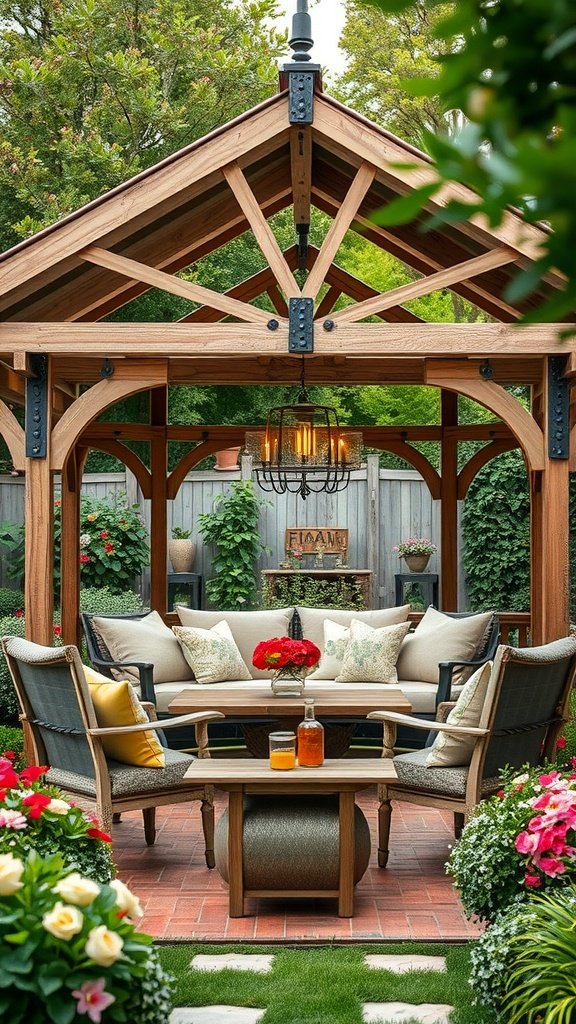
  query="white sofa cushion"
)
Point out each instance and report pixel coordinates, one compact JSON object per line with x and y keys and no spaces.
{"x":450,"y":749}
{"x":248,"y":628}
{"x":437,"y":638}
{"x":335,"y":639}
{"x":212,"y":653}
{"x":147,"y":640}
{"x":370,"y":654}
{"x":312,"y":619}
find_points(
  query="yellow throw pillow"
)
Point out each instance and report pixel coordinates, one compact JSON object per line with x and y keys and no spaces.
{"x":116,"y":703}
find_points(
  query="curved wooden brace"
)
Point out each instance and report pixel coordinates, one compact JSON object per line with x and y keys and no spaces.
{"x":86,"y":408}
{"x":506,"y":407}
{"x":130,"y":459}
{"x":13,"y":435}
{"x":478,"y":460}
{"x":419,"y":461}
{"x":193,"y":457}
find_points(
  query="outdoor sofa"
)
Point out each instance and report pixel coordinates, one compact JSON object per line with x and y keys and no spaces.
{"x":433,"y":662}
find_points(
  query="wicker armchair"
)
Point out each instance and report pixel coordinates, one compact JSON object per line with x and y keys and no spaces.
{"x":524,"y":709}
{"x":57,"y":707}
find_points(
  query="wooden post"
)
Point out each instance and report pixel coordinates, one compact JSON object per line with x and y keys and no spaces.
{"x":70,"y":546}
{"x":449,"y":505}
{"x":373,"y":560}
{"x":158,"y":510}
{"x":39,"y":541}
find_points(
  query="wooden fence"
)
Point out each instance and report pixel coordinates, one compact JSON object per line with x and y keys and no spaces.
{"x":380,"y":508}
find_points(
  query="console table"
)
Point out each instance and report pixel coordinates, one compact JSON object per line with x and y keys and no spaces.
{"x":360,"y":577}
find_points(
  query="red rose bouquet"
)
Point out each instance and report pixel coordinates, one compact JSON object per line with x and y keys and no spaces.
{"x":286,"y":658}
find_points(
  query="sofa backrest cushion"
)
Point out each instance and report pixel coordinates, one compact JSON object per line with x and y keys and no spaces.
{"x":248,"y":628}
{"x":451,"y":749}
{"x":212,"y":653}
{"x":146,"y":640}
{"x":312,"y":620}
{"x":437,"y":638}
{"x":370,"y":654}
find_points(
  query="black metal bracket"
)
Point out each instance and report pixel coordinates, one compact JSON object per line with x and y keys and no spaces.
{"x":37,"y":408}
{"x":302,"y":231}
{"x":558,"y":409}
{"x":301,"y":96}
{"x":486,"y":371}
{"x":301,"y":325}
{"x":107,"y":369}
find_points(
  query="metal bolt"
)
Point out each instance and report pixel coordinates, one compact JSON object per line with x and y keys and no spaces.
{"x":273,"y":325}
{"x":329,"y":325}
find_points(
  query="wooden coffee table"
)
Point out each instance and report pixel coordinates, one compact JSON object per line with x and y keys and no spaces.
{"x":240,"y":777}
{"x":336,"y":702}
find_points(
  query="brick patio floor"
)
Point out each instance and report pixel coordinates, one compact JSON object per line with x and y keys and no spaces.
{"x":412,"y":899}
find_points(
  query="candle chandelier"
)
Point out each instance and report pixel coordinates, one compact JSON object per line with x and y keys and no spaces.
{"x":304,"y":449}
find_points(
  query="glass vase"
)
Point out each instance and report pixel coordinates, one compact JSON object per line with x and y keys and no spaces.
{"x":287,"y":682}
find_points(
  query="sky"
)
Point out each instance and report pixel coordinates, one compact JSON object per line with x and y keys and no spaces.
{"x":327,"y":23}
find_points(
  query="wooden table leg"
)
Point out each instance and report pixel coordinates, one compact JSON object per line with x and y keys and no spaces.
{"x":236,"y":852}
{"x":346,"y":869}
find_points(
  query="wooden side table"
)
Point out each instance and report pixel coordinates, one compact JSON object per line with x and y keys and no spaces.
{"x":238,"y":778}
{"x":426,"y":582}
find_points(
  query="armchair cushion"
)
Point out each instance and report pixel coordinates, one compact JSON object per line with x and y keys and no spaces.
{"x":212,"y":653}
{"x":312,"y":620}
{"x":128,"y":781}
{"x":248,"y":628}
{"x":450,"y":748}
{"x":370,"y":654}
{"x":147,"y":640}
{"x":437,"y":638}
{"x":116,"y":703}
{"x":412,"y":770}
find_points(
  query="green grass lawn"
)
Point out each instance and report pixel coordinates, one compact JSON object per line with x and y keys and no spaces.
{"x":325,"y":984}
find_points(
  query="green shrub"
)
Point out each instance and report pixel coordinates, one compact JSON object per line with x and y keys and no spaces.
{"x":233,"y":530}
{"x":10,"y":601}
{"x":496,"y":529}
{"x":12,"y":738}
{"x":310,"y":592}
{"x":490,"y":955}
{"x":9,"y":626}
{"x":107,"y":602}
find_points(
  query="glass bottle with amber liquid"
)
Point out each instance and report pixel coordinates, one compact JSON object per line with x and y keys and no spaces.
{"x":310,"y":739}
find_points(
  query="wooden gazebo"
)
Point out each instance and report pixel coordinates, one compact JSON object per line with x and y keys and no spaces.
{"x":299,"y":148}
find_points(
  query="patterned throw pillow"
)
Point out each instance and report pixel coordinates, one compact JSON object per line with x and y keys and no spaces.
{"x":335,"y":639}
{"x":450,"y":749}
{"x":212,"y":653}
{"x":370,"y":654}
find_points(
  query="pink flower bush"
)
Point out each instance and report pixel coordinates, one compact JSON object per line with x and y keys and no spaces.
{"x":547,"y":841}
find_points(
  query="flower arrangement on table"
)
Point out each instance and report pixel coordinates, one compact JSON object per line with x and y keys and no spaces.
{"x":520,"y":840}
{"x":415,"y":546}
{"x":34,"y":816}
{"x":289,"y":661}
{"x":69,"y":949}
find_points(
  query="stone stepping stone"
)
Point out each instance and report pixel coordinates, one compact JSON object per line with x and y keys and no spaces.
{"x":215,"y":1015}
{"x":261,"y":963}
{"x":426,"y":1013}
{"x":402,"y":963}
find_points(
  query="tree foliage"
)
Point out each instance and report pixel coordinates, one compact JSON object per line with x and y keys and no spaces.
{"x":513,"y":73}
{"x":92,"y":91}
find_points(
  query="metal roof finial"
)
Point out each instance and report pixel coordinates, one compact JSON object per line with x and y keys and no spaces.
{"x":301,"y":40}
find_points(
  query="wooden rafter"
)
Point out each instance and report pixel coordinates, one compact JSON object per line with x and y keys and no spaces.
{"x":158,"y":279}
{"x":301,"y":171}
{"x":342,"y":221}
{"x":359,"y":291}
{"x":261,"y":229}
{"x":250,"y":288}
{"x":442,"y":279}
{"x":328,"y":302}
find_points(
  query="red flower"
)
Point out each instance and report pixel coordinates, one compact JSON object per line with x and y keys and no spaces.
{"x":33,"y":772}
{"x":96,"y":833}
{"x":500,"y":793}
{"x":84,"y":559}
{"x":19,"y":613}
{"x":108,"y":548}
{"x":104,"y":534}
{"x":57,"y":630}
{"x":8,"y":777}
{"x":9,"y":754}
{"x":283,"y":652}
{"x":561,"y":743}
{"x":37,"y":803}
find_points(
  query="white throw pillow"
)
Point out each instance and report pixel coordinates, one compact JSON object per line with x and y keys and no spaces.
{"x":146,"y":640}
{"x":450,"y":749}
{"x":335,"y":639}
{"x":437,"y":638}
{"x":248,"y":628}
{"x":212,"y":653}
{"x":370,"y":654}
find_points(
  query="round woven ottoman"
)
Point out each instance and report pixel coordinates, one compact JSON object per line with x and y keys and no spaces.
{"x":292,"y":843}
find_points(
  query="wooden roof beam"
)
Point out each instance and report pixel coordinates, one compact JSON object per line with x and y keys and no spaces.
{"x":301,"y":173}
{"x":342,"y":221}
{"x":261,"y":229}
{"x":174,"y":285}
{"x":442,"y":279}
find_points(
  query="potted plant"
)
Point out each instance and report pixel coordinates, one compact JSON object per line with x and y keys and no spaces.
{"x":181,"y":550}
{"x":233,"y":529}
{"x":416,"y":552}
{"x":227,"y":458}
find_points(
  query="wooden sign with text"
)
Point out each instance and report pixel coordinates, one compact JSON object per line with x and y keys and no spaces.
{"x":331,"y":539}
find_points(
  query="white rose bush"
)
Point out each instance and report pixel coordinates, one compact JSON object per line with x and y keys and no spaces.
{"x":70,"y":951}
